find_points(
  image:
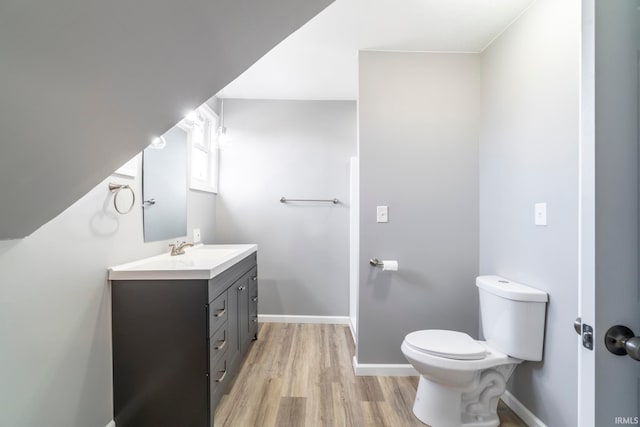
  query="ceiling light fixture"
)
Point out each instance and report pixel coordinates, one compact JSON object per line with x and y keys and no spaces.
{"x":192,"y":116}
{"x":158,"y":143}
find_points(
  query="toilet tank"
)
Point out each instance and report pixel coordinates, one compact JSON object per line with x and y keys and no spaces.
{"x":513,"y":316}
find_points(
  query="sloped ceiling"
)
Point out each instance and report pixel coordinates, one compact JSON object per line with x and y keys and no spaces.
{"x":85,"y":85}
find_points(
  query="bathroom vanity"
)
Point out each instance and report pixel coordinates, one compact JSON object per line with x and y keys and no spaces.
{"x":181,"y":326}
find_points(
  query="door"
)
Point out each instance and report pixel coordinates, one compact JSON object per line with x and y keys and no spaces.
{"x":609,"y":384}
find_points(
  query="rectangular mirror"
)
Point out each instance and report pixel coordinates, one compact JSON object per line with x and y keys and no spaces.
{"x":164,"y":186}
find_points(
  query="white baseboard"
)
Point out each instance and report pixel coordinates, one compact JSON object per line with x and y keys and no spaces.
{"x":353,"y":331}
{"x":383,"y":369}
{"x":522,"y":411}
{"x":111,"y":424}
{"x":283,"y":318}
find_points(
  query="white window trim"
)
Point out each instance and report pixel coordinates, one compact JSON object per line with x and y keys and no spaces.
{"x":211,"y":185}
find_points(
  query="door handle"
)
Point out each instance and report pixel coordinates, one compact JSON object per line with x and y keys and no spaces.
{"x":224,"y":374}
{"x":621,"y":340}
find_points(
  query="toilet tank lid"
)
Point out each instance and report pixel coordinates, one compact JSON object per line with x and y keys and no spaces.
{"x":511,"y":290}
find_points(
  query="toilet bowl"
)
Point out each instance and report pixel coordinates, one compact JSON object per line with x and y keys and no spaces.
{"x":462,"y":379}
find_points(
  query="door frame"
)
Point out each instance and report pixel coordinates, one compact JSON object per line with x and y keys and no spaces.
{"x":587,"y":213}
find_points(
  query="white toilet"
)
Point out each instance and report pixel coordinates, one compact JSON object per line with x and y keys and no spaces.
{"x":461,"y":379}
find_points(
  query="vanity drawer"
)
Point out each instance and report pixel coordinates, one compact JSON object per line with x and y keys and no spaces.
{"x":219,"y":379}
{"x":218,"y":344}
{"x":218,"y":313}
{"x":225,"y":279}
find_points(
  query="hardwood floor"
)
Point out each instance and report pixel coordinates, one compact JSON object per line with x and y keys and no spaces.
{"x":300,"y":375}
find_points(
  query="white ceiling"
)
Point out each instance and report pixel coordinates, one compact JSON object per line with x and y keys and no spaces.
{"x":320,"y":60}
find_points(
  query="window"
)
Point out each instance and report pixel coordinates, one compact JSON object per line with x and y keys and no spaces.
{"x":201,"y":126}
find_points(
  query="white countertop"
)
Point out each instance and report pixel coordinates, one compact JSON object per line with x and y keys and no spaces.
{"x":198,"y":262}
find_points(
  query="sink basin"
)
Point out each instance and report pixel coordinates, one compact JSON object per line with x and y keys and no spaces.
{"x":199,"y":262}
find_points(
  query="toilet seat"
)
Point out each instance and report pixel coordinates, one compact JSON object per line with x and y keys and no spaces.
{"x":447,"y":344}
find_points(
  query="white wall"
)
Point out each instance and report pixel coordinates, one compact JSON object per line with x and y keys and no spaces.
{"x":296,"y":149}
{"x":529,"y":154}
{"x":55,"y":339}
{"x":418,"y":148}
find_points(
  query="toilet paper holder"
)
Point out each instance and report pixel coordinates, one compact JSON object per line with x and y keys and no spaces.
{"x":386,"y":264}
{"x":376,"y":262}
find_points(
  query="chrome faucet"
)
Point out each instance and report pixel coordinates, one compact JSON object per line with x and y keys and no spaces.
{"x":178,"y":248}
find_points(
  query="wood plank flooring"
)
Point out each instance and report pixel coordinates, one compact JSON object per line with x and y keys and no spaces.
{"x":300,"y":375}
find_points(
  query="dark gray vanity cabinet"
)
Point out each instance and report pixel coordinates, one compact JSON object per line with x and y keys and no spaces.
{"x":240,"y":297}
{"x":177,"y":345}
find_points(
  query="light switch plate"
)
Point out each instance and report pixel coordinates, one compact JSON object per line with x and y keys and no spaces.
{"x":382,"y":214}
{"x":540,"y":214}
{"x":196,"y":235}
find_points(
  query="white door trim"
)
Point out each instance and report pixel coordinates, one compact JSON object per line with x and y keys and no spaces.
{"x":586,"y":209}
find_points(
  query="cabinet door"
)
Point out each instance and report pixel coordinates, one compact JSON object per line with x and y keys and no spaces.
{"x":253,"y":304}
{"x":232,"y":324}
{"x":243,"y":311}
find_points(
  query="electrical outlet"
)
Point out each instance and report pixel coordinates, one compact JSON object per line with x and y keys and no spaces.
{"x":196,"y":235}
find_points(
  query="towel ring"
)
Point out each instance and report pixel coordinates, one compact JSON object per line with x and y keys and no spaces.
{"x":116,"y":188}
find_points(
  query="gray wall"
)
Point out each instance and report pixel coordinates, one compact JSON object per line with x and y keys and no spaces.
{"x":418,"y":148}
{"x":55,"y":339}
{"x":297,"y":149}
{"x":616,"y":196}
{"x":529,"y":154}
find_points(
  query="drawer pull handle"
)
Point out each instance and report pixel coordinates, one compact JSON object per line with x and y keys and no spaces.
{"x":220,"y":313}
{"x":254,"y":278}
{"x":254,"y":299}
{"x":224,"y":374}
{"x":221,"y":346}
{"x":241,"y":288}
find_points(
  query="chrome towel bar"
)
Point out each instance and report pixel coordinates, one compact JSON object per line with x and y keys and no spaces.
{"x":285,"y":200}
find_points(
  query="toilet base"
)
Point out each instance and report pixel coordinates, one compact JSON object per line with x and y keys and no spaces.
{"x":440,"y":406}
{"x":436,"y":405}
